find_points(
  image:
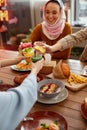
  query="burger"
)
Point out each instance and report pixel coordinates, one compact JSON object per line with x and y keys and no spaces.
{"x":26,"y":49}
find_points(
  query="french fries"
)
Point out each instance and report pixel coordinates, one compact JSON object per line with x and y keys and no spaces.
{"x":74,"y":78}
{"x":23,"y":66}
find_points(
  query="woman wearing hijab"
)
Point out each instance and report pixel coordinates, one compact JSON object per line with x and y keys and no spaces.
{"x":69,"y":41}
{"x":53,"y":28}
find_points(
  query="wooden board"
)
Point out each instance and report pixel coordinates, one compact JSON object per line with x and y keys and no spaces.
{"x":73,"y":87}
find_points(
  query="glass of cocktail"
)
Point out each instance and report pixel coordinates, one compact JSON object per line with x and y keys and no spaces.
{"x":28,"y":52}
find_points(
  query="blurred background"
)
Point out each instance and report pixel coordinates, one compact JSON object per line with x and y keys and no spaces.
{"x":20,"y":16}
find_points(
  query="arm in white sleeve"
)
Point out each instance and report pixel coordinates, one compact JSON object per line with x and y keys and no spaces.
{"x":17,"y":102}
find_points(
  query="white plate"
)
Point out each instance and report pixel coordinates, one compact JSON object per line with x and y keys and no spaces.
{"x":13,"y":67}
{"x":84,"y":71}
{"x":61,"y":96}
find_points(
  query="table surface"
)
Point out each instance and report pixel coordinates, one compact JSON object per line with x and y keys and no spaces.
{"x":69,"y":108}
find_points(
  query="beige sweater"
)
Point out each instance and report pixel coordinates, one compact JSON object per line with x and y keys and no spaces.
{"x":73,"y":39}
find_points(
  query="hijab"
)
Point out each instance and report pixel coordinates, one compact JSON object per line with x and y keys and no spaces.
{"x":53,"y":31}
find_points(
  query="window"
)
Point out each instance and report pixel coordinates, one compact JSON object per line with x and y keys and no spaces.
{"x":83,"y":11}
{"x":79,"y":11}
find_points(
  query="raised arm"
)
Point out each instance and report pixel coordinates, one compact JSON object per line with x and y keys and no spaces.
{"x":70,"y":40}
{"x":17,"y":102}
{"x":12,"y":61}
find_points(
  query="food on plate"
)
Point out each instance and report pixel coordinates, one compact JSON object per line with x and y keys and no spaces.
{"x":75,"y":78}
{"x":51,"y":126}
{"x":49,"y":88}
{"x":40,"y":49}
{"x":61,"y":70}
{"x":23,"y":66}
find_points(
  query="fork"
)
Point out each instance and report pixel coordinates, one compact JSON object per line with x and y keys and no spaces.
{"x":28,"y":119}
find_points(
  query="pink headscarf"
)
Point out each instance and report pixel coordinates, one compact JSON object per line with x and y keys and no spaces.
{"x":54,"y":31}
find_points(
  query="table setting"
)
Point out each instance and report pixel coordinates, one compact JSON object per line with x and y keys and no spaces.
{"x":65,"y":103}
{"x":60,"y":71}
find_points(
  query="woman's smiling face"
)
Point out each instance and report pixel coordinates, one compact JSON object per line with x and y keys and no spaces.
{"x":52,"y":12}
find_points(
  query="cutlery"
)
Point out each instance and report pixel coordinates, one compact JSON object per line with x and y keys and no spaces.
{"x":28,"y":119}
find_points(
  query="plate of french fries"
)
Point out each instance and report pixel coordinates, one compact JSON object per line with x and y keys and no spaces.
{"x":75,"y":82}
{"x":22,"y":66}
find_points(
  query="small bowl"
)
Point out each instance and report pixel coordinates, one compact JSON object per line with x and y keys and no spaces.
{"x":59,"y":87}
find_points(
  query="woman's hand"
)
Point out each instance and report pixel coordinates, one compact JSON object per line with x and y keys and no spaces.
{"x":48,"y":48}
{"x":42,"y":43}
{"x":37,"y":66}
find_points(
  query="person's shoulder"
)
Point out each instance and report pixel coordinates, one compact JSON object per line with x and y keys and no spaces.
{"x":38,"y":26}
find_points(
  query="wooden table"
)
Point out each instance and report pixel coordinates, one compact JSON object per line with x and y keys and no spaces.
{"x":70,"y":108}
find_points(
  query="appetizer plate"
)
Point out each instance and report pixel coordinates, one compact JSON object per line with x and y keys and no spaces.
{"x":50,"y":87}
{"x":13,"y":67}
{"x":83,"y":111}
{"x":44,"y":117}
{"x":74,"y":87}
{"x":59,"y":98}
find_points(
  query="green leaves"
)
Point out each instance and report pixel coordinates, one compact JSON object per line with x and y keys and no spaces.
{"x":45,"y":126}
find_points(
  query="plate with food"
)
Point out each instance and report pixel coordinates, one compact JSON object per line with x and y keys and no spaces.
{"x":50,"y":88}
{"x":75,"y":82}
{"x":59,"y":98}
{"x":45,"y":120}
{"x":71,"y":80}
{"x":22,"y":66}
